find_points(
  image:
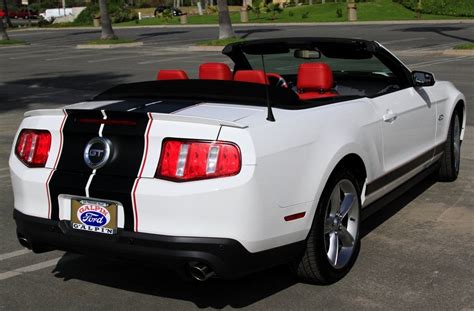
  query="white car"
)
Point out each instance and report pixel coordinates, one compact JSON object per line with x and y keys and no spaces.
{"x":272,"y":162}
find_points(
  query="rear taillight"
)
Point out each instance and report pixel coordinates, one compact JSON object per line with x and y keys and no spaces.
{"x":185,"y":160}
{"x":32,"y":147}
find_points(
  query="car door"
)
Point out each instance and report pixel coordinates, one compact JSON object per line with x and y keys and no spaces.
{"x":407,"y":120}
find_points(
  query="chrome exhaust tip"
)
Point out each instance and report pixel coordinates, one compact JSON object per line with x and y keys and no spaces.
{"x":200,"y":271}
{"x":24,"y":242}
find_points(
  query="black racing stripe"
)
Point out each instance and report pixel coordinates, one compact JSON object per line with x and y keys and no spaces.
{"x":76,"y":135}
{"x":64,"y":180}
{"x":115,"y":180}
{"x":116,"y":189}
{"x":149,"y":105}
{"x":386,"y":179}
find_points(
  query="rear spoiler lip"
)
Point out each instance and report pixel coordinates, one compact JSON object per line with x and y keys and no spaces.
{"x":156,"y":116}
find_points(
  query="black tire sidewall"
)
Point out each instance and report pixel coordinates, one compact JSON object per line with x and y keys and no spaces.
{"x":330,"y":273}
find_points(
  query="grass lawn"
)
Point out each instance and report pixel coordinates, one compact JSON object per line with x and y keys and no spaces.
{"x":110,"y":41}
{"x":465,"y":46}
{"x":12,"y":41}
{"x":378,"y":10}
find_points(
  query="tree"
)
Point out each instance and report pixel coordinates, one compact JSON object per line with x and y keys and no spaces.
{"x":107,"y":31}
{"x":7,"y":15}
{"x":3,"y":32}
{"x":225,"y":25}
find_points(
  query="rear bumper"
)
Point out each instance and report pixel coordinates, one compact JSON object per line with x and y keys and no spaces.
{"x":227,"y":257}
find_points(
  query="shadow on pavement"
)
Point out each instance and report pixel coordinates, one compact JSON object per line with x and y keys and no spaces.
{"x":249,"y":32}
{"x":157,"y":34}
{"x":375,"y":215}
{"x":214,"y":293}
{"x":441,"y":30}
{"x":147,"y":280}
{"x":55,"y":89}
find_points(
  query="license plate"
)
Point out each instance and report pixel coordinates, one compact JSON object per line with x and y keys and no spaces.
{"x":95,"y":216}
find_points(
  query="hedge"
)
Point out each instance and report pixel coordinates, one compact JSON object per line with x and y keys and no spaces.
{"x":442,"y":7}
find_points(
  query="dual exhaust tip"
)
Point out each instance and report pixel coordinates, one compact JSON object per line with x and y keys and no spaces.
{"x":24,"y":242}
{"x":198,"y":270}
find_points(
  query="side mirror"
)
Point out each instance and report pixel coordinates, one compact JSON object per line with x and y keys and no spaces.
{"x":421,"y":78}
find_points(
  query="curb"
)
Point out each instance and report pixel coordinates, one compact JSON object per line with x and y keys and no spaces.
{"x":108,"y":46}
{"x":205,"y":48}
{"x":15,"y":45}
{"x":362,"y":23}
{"x":454,"y":52}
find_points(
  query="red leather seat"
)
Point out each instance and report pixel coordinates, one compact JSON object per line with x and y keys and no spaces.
{"x":251,"y":76}
{"x":215,"y":71}
{"x":315,"y":80}
{"x":172,"y":75}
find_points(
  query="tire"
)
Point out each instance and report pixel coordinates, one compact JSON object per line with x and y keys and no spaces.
{"x":451,"y":159}
{"x":321,"y":263}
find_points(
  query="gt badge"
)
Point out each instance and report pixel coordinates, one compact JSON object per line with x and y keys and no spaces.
{"x":97,"y":152}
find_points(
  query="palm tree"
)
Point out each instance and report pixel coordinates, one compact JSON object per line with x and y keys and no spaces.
{"x":107,"y":31}
{"x":7,"y":16}
{"x":3,"y":32}
{"x":225,"y":25}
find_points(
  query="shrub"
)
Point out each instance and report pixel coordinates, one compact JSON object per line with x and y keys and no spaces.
{"x":258,"y":8}
{"x":118,"y":10}
{"x":463,"y":8}
{"x":339,"y":12}
{"x":305,"y":15}
{"x":273,"y":9}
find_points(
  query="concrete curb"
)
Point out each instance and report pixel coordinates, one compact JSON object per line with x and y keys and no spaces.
{"x":204,"y":48}
{"x":16,"y":45}
{"x":364,"y":23}
{"x":454,"y":52}
{"x":108,"y":46}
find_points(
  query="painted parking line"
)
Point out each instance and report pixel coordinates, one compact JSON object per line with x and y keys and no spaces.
{"x":69,"y":57}
{"x":442,"y":61}
{"x":36,"y":267}
{"x":14,"y":254}
{"x":31,"y":268}
{"x":403,"y":40}
{"x":175,"y":58}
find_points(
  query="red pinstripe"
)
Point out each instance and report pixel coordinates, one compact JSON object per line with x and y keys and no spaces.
{"x":142,"y":167}
{"x":55,"y":162}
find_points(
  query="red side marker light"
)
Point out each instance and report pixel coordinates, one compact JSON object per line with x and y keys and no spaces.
{"x":295,"y":216}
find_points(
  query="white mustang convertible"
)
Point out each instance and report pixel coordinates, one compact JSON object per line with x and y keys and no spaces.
{"x":270,"y":162}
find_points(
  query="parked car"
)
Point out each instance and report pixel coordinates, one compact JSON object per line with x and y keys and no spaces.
{"x":237,"y":171}
{"x":161,"y":8}
{"x":20,"y":13}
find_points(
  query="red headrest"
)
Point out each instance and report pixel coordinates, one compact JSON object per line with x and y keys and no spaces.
{"x":215,"y":71}
{"x":172,"y":75}
{"x":314,"y":76}
{"x":251,"y":76}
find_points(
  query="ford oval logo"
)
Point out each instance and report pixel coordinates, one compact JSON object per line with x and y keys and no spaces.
{"x":97,"y":152}
{"x":93,"y":219}
{"x":93,"y":215}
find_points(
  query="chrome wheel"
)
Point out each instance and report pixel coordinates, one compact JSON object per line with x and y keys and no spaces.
{"x":341,"y":226}
{"x":457,"y":143}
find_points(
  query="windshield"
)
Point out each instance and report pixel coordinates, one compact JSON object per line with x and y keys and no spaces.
{"x":287,"y":63}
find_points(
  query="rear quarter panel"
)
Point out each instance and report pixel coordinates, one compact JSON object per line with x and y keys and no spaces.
{"x":296,"y":154}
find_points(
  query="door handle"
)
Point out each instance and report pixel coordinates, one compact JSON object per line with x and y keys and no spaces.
{"x":390,"y":116}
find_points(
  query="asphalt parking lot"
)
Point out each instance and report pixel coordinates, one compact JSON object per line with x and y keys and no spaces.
{"x":417,"y":252}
